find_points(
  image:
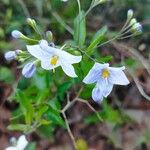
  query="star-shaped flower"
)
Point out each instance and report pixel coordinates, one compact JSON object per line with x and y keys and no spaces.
{"x":105,"y":77}
{"x":51,"y":57}
{"x":21,"y":144}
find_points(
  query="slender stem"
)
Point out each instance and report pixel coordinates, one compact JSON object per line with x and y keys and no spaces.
{"x":69,"y":130}
{"x":108,"y":41}
{"x":79,"y":4}
{"x":59,"y":19}
{"x":92,"y":108}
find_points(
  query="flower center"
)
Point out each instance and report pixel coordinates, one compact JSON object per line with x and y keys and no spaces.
{"x":54,"y":60}
{"x":105,"y":73}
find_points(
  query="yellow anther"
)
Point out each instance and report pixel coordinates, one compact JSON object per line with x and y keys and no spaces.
{"x":105,"y":73}
{"x":54,"y":60}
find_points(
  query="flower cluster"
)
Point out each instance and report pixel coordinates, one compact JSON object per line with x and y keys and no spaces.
{"x":131,"y":27}
{"x":49,"y":57}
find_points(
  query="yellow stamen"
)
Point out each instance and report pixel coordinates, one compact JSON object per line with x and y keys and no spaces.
{"x":105,"y":73}
{"x":54,"y":60}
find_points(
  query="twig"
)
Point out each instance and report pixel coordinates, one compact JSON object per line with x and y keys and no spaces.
{"x":69,"y":130}
{"x":92,"y":108}
{"x":134,"y":53}
{"x":139,"y":86}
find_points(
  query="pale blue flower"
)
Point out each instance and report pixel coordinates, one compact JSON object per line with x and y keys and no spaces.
{"x":51,"y":57}
{"x":21,"y":144}
{"x":29,"y":70}
{"x":105,"y":77}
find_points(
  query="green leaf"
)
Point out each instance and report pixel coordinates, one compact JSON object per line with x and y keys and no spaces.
{"x":98,"y":38}
{"x":55,"y":117}
{"x":80,"y":29}
{"x":18,"y":127}
{"x":31,"y":146}
{"x":40,"y":112}
{"x":62,"y":89}
{"x":26,"y":106}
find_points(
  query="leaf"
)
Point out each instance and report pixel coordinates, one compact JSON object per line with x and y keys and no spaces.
{"x":80,"y":29}
{"x":40,"y":112}
{"x":31,"y":146}
{"x":18,"y":127}
{"x":98,"y":38}
{"x":55,"y":117}
{"x":26,"y":107}
{"x":62,"y":89}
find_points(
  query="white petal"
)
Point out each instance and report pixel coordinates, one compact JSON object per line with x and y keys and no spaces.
{"x":69,"y":58}
{"x":117,"y":76}
{"x":68,"y":69}
{"x":22,"y":142}
{"x":11,"y":148}
{"x":97,"y":95}
{"x":44,"y":45}
{"x":37,"y":52}
{"x":107,"y":90}
{"x":95,"y":73}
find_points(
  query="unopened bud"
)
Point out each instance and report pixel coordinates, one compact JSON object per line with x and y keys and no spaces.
{"x":16,"y":34}
{"x":133,"y":21}
{"x":130,"y":14}
{"x":31,"y":22}
{"x":49,"y":35}
{"x":11,"y":55}
{"x":137,"y":27}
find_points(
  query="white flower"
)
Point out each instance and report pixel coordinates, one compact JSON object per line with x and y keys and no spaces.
{"x":21,"y":144}
{"x":51,"y":57}
{"x":105,"y":77}
{"x":29,"y":70}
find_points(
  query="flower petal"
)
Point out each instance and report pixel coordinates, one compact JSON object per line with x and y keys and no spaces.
{"x":107,"y":90}
{"x":11,"y":148}
{"x":94,"y":74}
{"x":69,"y":58}
{"x":37,"y":52}
{"x":97,"y":95}
{"x":68,"y":69}
{"x":117,"y":76}
{"x":44,"y":45}
{"x":29,"y":70}
{"x":22,"y":142}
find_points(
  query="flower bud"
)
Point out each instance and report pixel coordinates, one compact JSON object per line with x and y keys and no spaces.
{"x":16,"y":34}
{"x":130,"y":14}
{"x":49,"y":35}
{"x":31,"y":22}
{"x":10,"y":55}
{"x":137,"y":27}
{"x":29,"y":70}
{"x":133,"y":21}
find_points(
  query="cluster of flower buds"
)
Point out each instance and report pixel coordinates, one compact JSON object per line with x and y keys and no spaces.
{"x":131,"y":27}
{"x":23,"y":56}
